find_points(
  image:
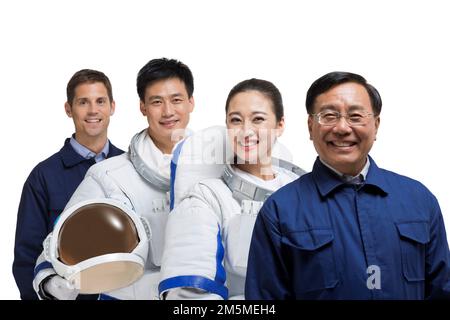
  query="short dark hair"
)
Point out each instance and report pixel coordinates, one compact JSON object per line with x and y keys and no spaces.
{"x":265,"y":87}
{"x":160,"y":69}
{"x":333,"y":79}
{"x":87,"y":76}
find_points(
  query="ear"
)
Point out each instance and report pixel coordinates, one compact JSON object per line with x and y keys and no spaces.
{"x":280,"y":127}
{"x":310,"y":124}
{"x":68,"y":109}
{"x":113,"y":108}
{"x":191,"y":103}
{"x":142,"y":107}
{"x":377,"y":124}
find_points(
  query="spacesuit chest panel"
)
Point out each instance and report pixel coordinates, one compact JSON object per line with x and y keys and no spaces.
{"x":239,"y":234}
{"x":238,"y":219}
{"x":150,"y":203}
{"x":157,"y":216}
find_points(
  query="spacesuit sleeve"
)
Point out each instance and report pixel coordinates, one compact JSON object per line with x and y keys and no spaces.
{"x":89,"y":188}
{"x":192,"y":264}
{"x":42,"y":271}
{"x":272,"y":281}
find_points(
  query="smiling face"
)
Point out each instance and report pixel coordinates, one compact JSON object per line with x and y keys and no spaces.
{"x":252,"y":126}
{"x":167,"y":107}
{"x":343,"y":147}
{"x":90,"y":110}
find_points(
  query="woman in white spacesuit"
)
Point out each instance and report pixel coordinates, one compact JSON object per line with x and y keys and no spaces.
{"x":208,"y":233}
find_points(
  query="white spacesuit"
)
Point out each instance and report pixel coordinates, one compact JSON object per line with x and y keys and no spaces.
{"x":209,"y":231}
{"x":140,"y":181}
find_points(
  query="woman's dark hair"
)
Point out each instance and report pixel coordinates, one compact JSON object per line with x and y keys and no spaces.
{"x":333,"y":79}
{"x":265,"y":87}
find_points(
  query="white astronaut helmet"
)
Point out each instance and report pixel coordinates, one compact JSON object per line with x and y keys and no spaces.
{"x":99,"y":245}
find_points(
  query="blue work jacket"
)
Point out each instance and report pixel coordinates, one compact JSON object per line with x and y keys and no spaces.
{"x":319,"y":238}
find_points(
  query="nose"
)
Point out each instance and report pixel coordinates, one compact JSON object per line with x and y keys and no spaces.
{"x":93,"y":108}
{"x":168,"y":109}
{"x":248,"y":130}
{"x":342,"y":126}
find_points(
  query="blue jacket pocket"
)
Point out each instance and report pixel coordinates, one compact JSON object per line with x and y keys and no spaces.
{"x":413,"y":239}
{"x":309,"y":240}
{"x":313,"y":262}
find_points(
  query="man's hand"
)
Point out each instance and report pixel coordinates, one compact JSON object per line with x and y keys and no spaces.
{"x":60,"y":288}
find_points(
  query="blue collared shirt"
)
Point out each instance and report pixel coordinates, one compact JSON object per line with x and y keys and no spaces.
{"x":88,"y":154}
{"x":321,"y":238}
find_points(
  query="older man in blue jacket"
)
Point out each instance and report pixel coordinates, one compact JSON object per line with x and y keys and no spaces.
{"x":348,"y":229}
{"x":52,"y":182}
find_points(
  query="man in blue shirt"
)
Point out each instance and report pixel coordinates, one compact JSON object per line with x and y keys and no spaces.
{"x":348,"y":229}
{"x":52,"y":182}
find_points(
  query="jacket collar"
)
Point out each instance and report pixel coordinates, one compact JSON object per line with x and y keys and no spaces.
{"x":113,"y":151}
{"x":71,"y":158}
{"x":327,"y":180}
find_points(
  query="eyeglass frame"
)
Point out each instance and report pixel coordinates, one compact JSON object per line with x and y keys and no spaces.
{"x":340,"y":115}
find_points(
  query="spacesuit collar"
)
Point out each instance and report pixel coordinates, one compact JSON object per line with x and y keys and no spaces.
{"x":146,"y":169}
{"x":243,"y":189}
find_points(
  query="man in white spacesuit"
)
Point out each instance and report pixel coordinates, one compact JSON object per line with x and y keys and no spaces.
{"x":140,"y":178}
{"x":208,"y":233}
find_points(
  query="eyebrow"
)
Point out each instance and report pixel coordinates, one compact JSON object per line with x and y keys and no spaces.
{"x":87,"y":98}
{"x":161,"y":97}
{"x":333,"y":107}
{"x":236,"y":113}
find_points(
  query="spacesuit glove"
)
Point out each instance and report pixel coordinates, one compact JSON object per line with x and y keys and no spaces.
{"x":60,"y":288}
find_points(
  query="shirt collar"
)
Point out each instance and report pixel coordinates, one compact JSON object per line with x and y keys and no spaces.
{"x":327,"y":179}
{"x":86,"y":153}
{"x":346,"y":177}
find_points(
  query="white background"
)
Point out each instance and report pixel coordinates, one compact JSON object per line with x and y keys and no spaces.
{"x":401,"y":47}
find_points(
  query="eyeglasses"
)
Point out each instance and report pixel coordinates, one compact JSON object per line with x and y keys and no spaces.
{"x":354,"y":118}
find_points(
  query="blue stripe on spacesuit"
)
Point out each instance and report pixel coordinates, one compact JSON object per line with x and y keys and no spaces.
{"x":56,"y":220}
{"x":216,"y":286}
{"x":173,"y":170}
{"x":220,"y":270}
{"x":103,"y":296}
{"x":42,"y":266}
{"x":194,"y":282}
